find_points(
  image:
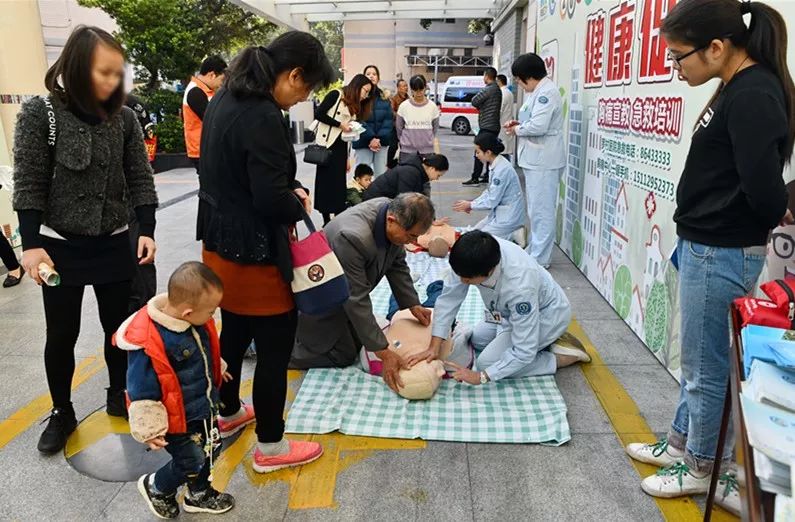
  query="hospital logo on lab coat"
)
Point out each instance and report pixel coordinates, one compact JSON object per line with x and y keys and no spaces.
{"x":524,"y":308}
{"x":543,"y":99}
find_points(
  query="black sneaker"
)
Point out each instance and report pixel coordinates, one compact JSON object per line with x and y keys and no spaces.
{"x":208,"y":501}
{"x":163,"y":506}
{"x":116,"y":403}
{"x":62,"y":424}
{"x":471,"y":183}
{"x":484,"y":181}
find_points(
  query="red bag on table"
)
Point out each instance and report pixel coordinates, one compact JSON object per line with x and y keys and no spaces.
{"x":778,"y":312}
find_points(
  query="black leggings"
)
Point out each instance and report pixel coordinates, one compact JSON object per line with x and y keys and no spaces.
{"x":7,"y":255}
{"x":275,"y":337}
{"x":62,"y":310}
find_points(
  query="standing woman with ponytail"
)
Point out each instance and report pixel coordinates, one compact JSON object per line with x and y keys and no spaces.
{"x":249,"y":202}
{"x":79,"y":165}
{"x":730,"y":195}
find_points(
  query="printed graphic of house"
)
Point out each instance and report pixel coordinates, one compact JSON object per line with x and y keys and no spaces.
{"x":636,"y":313}
{"x":619,"y":240}
{"x":607,"y":275}
{"x":654,"y":261}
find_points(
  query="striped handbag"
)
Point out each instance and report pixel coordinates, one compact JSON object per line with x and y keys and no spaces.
{"x":319,"y":283}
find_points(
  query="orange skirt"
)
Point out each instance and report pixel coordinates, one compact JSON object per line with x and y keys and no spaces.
{"x":258,"y":290}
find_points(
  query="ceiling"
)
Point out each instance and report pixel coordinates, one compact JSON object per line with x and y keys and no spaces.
{"x":298,"y":13}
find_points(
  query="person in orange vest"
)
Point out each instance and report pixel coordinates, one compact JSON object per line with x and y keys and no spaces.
{"x":174,"y":372}
{"x":198,"y":94}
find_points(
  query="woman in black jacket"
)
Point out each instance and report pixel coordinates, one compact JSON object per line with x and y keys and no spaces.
{"x":79,"y":166}
{"x":249,"y":202}
{"x":334,"y":115}
{"x":413,"y":175}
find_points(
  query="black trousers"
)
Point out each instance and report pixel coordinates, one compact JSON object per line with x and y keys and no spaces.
{"x":477,"y":167}
{"x":144,"y":283}
{"x":274,"y":337}
{"x":7,"y":255}
{"x":62,"y":312}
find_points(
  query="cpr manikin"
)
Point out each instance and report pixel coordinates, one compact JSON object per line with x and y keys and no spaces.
{"x":407,"y":337}
{"x":439,"y":240}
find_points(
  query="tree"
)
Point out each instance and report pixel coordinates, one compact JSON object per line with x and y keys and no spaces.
{"x":330,"y":35}
{"x":474,"y":26}
{"x":622,"y":291}
{"x":170,"y":38}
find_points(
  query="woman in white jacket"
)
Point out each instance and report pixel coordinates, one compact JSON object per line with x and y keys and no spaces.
{"x":503,"y":198}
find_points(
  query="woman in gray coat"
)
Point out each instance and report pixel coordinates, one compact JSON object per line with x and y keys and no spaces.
{"x":79,"y":165}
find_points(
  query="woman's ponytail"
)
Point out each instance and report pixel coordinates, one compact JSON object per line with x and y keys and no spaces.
{"x":767,"y":45}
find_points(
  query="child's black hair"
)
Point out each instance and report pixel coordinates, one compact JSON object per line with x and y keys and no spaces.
{"x":362,"y":169}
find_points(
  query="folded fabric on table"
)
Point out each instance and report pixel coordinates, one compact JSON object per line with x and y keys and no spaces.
{"x":529,"y":410}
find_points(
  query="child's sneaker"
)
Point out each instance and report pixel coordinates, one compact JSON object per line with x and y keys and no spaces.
{"x":208,"y":501}
{"x":300,"y":453}
{"x":163,"y":506}
{"x":675,"y":481}
{"x":659,"y":454}
{"x":230,"y":427}
{"x":727,"y":495}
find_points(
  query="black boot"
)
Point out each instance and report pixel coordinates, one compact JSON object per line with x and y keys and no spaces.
{"x":208,"y":501}
{"x":61,"y":424}
{"x":116,"y":405}
{"x":163,"y":506}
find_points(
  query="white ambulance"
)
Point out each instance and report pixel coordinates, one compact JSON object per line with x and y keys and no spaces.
{"x":458,"y":113}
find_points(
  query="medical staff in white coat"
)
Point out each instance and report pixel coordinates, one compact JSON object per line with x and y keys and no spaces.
{"x":503,"y":198}
{"x":541,"y":150}
{"x":527,"y":311}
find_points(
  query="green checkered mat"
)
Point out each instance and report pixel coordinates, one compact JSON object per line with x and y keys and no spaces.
{"x":348,"y":400}
{"x":529,"y":410}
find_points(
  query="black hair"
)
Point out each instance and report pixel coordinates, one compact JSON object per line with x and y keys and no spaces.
{"x":698,"y":22}
{"x":411,"y":209}
{"x":401,"y":80}
{"x":475,"y":254}
{"x":502,"y":79}
{"x":436,"y":161}
{"x":529,"y":65}
{"x":490,"y":73}
{"x":190,"y":281}
{"x":377,"y":71}
{"x":214,"y":64}
{"x":69,"y":78}
{"x":488,"y":141}
{"x":418,"y":83}
{"x":358,"y":106}
{"x":362,"y":169}
{"x":254,"y":70}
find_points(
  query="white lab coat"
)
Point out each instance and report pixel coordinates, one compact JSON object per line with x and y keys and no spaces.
{"x":503,"y":199}
{"x":542,"y":157}
{"x":534,"y":313}
{"x":507,"y":114}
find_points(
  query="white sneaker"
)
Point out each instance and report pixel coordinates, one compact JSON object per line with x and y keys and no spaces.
{"x":569,"y":349}
{"x":675,"y":481}
{"x":727,"y":495}
{"x":659,"y":454}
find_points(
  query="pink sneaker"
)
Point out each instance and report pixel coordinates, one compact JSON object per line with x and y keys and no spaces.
{"x":300,"y":453}
{"x":229,"y":428}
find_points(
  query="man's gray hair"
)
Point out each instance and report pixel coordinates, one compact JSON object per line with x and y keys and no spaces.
{"x":412,"y":208}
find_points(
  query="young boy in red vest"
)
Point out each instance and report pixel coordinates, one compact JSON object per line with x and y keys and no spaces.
{"x":174,"y":372}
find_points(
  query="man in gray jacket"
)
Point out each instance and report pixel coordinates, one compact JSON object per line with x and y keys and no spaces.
{"x":489,"y":103}
{"x":368,"y":240}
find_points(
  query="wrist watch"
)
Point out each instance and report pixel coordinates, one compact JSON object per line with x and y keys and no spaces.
{"x":484,"y":377}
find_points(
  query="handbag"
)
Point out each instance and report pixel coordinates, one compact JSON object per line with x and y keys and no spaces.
{"x":317,"y":155}
{"x":319,"y":283}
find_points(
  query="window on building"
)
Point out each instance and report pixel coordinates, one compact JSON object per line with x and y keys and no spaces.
{"x":449,"y":20}
{"x":459,"y":94}
{"x":413,"y":50}
{"x":468,"y":52}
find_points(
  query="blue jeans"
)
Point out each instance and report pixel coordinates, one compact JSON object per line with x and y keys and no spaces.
{"x":710,"y":278}
{"x":189,"y":463}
